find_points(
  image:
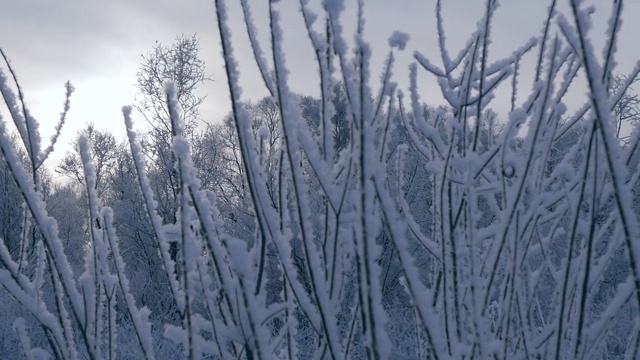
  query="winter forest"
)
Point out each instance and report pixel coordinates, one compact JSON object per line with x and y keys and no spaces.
{"x":363,"y":223}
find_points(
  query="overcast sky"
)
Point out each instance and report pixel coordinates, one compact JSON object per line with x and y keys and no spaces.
{"x":97,"y":45}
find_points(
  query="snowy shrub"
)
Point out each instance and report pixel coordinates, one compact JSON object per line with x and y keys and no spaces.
{"x":363,"y":224}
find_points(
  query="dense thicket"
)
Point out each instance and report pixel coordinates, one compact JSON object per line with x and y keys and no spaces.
{"x":360,"y":224}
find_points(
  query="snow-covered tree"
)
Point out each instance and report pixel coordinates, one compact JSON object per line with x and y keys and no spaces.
{"x":360,"y":224}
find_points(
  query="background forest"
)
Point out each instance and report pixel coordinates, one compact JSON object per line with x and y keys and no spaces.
{"x":363,"y":223}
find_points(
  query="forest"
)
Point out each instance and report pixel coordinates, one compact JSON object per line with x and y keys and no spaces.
{"x":363,"y":223}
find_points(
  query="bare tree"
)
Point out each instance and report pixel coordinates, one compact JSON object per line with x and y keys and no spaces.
{"x":103,"y":151}
{"x":626,"y":111}
{"x":180,"y":64}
